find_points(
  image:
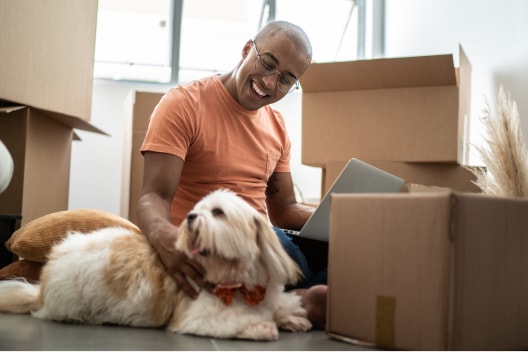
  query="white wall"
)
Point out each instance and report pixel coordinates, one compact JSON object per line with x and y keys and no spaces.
{"x":491,"y":32}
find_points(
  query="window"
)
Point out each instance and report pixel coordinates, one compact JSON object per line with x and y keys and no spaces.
{"x":133,"y":40}
{"x":144,"y":39}
{"x":214,"y":32}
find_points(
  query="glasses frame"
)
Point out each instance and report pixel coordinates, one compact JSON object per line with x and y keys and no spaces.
{"x":294,"y":86}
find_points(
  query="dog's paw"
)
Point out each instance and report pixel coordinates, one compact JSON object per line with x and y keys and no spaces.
{"x":294,"y":323}
{"x":290,"y":314}
{"x":260,"y":331}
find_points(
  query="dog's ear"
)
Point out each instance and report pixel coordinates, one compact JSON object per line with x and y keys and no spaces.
{"x":280,"y":267}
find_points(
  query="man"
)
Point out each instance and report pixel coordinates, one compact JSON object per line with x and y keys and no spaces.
{"x":220,"y":132}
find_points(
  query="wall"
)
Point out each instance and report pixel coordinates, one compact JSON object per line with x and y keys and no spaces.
{"x":491,"y":33}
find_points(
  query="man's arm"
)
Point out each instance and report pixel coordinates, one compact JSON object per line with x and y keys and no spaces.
{"x":283,"y":209}
{"x":161,"y":178}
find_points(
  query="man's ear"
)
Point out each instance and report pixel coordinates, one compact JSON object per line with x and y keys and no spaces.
{"x":247,"y":48}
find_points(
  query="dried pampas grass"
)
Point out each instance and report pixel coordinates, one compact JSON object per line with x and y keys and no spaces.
{"x":505,"y":156}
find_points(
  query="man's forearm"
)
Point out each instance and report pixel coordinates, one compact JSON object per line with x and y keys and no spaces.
{"x":153,"y":214}
{"x":294,"y":217}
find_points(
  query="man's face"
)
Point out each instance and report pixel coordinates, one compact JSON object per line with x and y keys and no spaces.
{"x":254,"y":89}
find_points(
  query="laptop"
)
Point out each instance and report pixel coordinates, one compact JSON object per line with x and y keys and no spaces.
{"x":356,"y":177}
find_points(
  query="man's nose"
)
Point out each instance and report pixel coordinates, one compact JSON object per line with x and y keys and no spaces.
{"x":270,"y":81}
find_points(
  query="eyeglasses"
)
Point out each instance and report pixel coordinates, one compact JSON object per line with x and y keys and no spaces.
{"x":285,"y":82}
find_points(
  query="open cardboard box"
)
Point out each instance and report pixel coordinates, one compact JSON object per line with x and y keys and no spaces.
{"x":450,"y":175}
{"x":40,"y":144}
{"x":139,"y":106}
{"x":429,"y":271}
{"x":46,"y":84}
{"x":401,"y":109}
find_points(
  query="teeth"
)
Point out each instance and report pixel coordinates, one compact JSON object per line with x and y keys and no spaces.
{"x":257,"y":89}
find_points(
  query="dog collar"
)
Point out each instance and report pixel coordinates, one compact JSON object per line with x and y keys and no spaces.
{"x":227,"y":292}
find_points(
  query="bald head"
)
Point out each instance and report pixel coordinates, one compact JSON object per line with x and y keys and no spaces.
{"x":290,"y":30}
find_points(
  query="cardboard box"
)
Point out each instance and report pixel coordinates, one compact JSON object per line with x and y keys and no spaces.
{"x":139,"y":107}
{"x":429,"y":271}
{"x":450,"y":175}
{"x":46,"y":82}
{"x":41,"y":151}
{"x":403,"y":109}
{"x":47,"y":51}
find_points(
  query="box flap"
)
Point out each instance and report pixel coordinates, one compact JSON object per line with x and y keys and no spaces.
{"x":464,"y":107}
{"x":10,"y":109}
{"x":74,"y":122}
{"x":434,"y":70}
{"x":70,"y":121}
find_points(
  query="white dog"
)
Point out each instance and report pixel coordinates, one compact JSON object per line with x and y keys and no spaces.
{"x":114,"y":276}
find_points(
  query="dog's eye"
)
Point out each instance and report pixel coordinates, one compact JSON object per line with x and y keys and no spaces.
{"x":217,"y":212}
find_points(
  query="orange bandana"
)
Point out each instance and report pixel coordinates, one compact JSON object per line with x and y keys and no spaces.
{"x":227,"y":292}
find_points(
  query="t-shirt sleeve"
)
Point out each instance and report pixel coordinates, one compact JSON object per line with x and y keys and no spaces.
{"x":171,"y":126}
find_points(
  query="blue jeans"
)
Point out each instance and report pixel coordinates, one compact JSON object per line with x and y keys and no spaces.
{"x":308,"y":279}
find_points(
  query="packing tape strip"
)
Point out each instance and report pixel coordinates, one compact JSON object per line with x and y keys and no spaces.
{"x":385,"y":315}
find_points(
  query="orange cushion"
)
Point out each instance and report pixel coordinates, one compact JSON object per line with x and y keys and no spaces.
{"x":34,"y":240}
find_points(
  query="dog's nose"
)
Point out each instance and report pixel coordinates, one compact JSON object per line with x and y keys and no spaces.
{"x":190,"y":219}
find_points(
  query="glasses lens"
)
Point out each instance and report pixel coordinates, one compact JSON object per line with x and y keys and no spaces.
{"x":287,"y":87}
{"x":263,"y":67}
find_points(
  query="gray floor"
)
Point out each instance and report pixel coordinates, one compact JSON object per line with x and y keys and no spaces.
{"x":22,"y":332}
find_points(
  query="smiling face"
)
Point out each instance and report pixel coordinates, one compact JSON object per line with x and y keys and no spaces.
{"x":287,"y":52}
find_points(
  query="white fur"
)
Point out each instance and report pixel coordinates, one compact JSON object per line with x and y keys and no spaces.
{"x":114,"y":276}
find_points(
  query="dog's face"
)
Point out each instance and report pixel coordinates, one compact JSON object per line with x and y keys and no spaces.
{"x":234,"y":242}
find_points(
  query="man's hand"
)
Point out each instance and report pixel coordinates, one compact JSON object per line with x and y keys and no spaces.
{"x":180,"y":267}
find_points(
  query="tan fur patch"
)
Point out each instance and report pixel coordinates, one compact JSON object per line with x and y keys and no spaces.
{"x":133,"y":260}
{"x":43,"y":281}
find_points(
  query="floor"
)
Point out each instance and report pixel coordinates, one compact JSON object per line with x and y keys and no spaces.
{"x":22,"y":332}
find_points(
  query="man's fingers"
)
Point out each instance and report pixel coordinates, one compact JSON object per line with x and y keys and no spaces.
{"x":196,"y":273}
{"x":183,"y":283}
{"x":197,"y":278}
{"x":190,"y":270}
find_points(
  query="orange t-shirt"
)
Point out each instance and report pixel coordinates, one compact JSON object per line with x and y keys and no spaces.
{"x":223,"y":145}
